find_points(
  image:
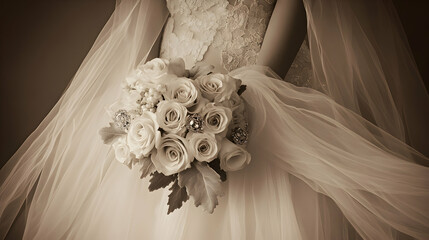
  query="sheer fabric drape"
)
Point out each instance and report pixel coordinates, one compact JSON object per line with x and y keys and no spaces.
{"x":361,"y":58}
{"x":366,"y":177}
{"x":319,"y":170}
{"x":66,"y":145}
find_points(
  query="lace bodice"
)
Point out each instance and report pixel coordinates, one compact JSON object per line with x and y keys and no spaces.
{"x":232,"y":29}
{"x":225,"y":33}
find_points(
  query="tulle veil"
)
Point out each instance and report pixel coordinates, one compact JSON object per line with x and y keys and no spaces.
{"x":361,"y":58}
{"x":125,"y":40}
{"x":366,"y":181}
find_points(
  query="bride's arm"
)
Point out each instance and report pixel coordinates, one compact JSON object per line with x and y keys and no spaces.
{"x":156,"y":48}
{"x":154,"y":52}
{"x":284,"y":36}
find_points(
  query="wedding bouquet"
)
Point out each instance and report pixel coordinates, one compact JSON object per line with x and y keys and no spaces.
{"x":184,"y":128}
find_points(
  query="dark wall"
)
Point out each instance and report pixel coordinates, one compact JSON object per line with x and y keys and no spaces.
{"x":43,"y":43}
{"x":414,"y":15}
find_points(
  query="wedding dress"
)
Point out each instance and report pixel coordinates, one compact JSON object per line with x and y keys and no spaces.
{"x":319,"y":170}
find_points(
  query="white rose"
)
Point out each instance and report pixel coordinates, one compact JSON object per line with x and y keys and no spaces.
{"x":155,"y":69}
{"x":204,"y":146}
{"x":232,"y":157}
{"x":172,"y":155}
{"x":217,"y":87}
{"x":122,"y":152}
{"x":210,"y":85}
{"x":171,"y":116}
{"x":216,"y":118}
{"x":183,"y":91}
{"x":143,"y":134}
{"x":177,"y":67}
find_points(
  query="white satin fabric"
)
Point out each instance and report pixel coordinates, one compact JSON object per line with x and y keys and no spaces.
{"x":318,"y":170}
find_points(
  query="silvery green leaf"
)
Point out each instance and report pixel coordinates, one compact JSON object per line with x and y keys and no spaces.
{"x":203,"y":184}
{"x":159,"y":180}
{"x":109,"y":134}
{"x":177,"y":197}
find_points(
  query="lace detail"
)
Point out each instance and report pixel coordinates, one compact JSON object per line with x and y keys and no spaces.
{"x":241,"y":34}
{"x":191,"y":28}
{"x":300,"y":72}
{"x":236,"y":27}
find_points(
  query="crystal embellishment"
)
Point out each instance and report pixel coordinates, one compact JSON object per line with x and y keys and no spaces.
{"x":239,"y":136}
{"x":194,"y":123}
{"x":122,"y":119}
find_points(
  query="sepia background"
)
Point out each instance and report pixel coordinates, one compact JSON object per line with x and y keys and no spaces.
{"x":43,"y":43}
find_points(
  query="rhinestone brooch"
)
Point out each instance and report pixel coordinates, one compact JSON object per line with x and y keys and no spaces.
{"x":239,"y":136}
{"x":194,"y":123}
{"x":122,"y":119}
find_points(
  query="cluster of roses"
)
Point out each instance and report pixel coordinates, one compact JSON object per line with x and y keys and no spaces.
{"x":186,"y":127}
